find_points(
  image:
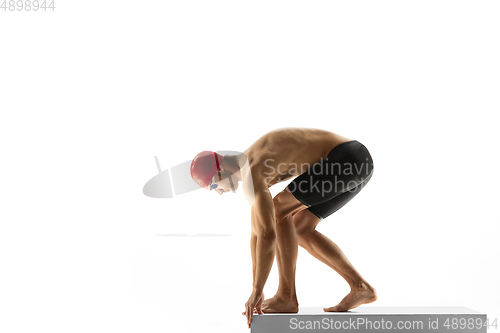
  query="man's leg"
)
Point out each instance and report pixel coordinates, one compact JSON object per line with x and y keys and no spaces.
{"x":293,"y":215}
{"x":323,"y":249}
{"x":285,"y":299}
{"x":286,"y":257}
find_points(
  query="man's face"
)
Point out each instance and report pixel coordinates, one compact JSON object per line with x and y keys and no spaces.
{"x":224,"y":185}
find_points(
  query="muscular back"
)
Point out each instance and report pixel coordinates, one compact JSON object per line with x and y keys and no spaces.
{"x":288,"y":152}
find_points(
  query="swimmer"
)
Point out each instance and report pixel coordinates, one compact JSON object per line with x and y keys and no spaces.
{"x":329,"y":171}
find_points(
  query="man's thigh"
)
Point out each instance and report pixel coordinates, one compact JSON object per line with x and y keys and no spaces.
{"x":286,"y":204}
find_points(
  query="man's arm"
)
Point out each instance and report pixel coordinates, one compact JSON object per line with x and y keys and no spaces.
{"x":263,"y":236}
{"x":253,"y":247}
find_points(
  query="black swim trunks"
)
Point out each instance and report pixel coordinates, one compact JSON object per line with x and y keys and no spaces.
{"x":329,"y":184}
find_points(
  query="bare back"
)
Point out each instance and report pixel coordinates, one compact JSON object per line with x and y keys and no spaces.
{"x":288,"y":152}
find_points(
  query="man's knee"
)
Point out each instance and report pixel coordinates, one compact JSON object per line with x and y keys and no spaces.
{"x":304,"y":229}
{"x":303,"y":232}
{"x":280,"y":207}
{"x":304,"y":238}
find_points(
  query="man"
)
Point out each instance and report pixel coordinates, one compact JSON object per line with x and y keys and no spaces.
{"x":331,"y":170}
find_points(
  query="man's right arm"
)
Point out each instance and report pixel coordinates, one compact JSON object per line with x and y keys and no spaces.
{"x":264,"y":229}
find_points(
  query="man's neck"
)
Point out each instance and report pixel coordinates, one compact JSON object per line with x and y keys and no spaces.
{"x":234,"y":164}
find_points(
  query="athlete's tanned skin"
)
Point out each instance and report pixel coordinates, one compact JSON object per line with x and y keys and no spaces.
{"x":282,"y":223}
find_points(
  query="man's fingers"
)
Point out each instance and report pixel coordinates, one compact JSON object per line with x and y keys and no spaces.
{"x":248,"y":315}
{"x":250,"y":318}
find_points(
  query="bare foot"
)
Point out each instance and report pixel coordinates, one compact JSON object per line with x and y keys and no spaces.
{"x":278,"y":304}
{"x":354,"y":299}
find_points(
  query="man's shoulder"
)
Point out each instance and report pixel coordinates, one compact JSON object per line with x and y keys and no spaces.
{"x":257,"y":159}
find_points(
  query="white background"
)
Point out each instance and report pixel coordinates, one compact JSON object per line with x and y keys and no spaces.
{"x":91,"y":92}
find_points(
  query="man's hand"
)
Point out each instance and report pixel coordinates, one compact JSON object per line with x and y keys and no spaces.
{"x":254,"y":302}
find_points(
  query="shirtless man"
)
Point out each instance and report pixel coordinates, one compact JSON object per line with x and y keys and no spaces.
{"x":331,"y":170}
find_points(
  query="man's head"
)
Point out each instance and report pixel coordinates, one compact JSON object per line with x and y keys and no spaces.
{"x":210,"y":172}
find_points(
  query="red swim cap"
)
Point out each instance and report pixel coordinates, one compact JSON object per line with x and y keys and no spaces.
{"x":204,"y":167}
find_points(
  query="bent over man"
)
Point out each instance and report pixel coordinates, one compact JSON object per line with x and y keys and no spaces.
{"x":330,"y":170}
